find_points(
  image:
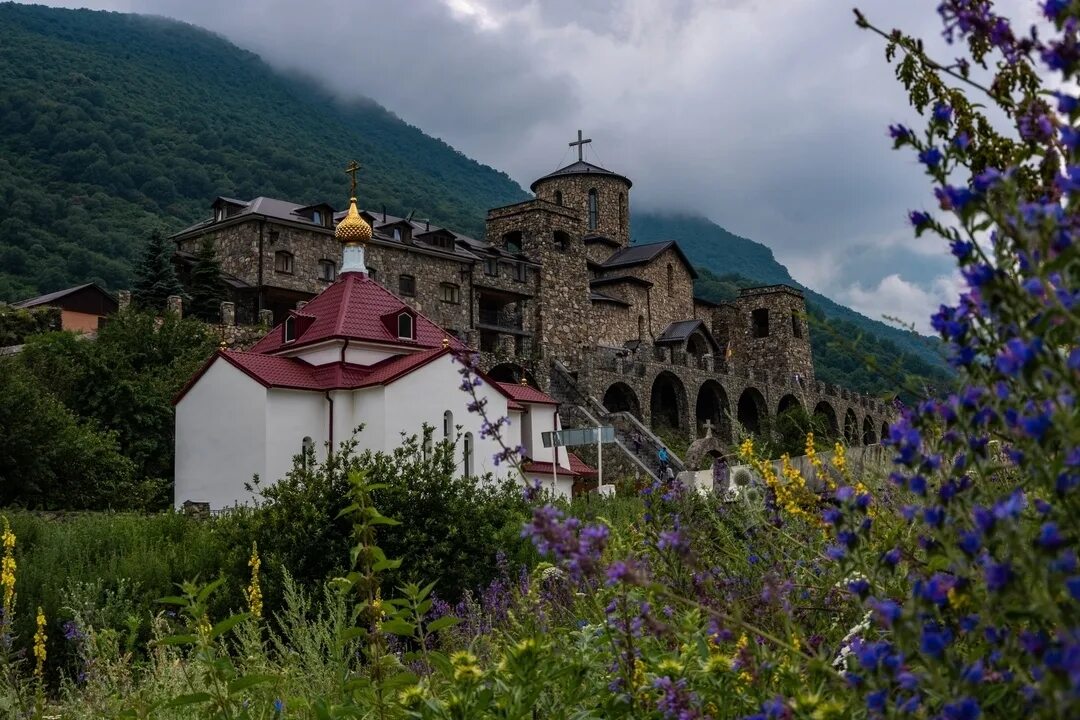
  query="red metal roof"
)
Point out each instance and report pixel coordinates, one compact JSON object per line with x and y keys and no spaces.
{"x":580,"y":467}
{"x":544,"y":468}
{"x":527,"y":394}
{"x":354,"y":307}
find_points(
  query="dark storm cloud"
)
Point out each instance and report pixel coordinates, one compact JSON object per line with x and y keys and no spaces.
{"x":769,"y":117}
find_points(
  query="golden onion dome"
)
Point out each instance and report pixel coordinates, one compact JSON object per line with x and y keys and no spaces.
{"x":352,"y":228}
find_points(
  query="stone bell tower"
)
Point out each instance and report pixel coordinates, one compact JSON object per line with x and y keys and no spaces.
{"x":600,"y":197}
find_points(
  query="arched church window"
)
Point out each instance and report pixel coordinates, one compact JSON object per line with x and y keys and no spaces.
{"x":670,"y":280}
{"x":467,"y":454}
{"x":405,"y":326}
{"x":558,"y":197}
{"x":447,"y":424}
{"x":562,"y":241}
{"x":622,"y":209}
{"x":641,"y":327}
{"x":307,"y":451}
{"x":594,"y":209}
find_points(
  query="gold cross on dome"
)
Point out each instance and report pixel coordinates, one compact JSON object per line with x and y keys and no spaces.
{"x":580,"y":145}
{"x":351,"y":170}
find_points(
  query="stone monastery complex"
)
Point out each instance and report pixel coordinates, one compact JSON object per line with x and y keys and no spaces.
{"x":555,"y":297}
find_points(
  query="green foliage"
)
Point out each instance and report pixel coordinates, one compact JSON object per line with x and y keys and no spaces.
{"x":49,"y":457}
{"x":205,"y":286}
{"x":125,"y":381}
{"x":16,"y":324}
{"x":452,"y":526}
{"x":155,"y":277}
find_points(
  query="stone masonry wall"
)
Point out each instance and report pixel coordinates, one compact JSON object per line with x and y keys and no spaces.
{"x":780,"y":352}
{"x":575,"y":196}
{"x":616,"y":328}
{"x":666,"y":305}
{"x":429,"y":273}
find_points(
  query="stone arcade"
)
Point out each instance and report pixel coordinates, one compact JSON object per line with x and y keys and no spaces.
{"x":556,"y":295}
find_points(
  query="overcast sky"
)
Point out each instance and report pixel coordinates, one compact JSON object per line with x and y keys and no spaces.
{"x":768,"y":117}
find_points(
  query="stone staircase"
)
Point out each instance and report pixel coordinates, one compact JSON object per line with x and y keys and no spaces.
{"x":578,"y":408}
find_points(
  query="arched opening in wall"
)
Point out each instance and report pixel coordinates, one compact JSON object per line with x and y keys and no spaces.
{"x":697,"y":345}
{"x":641,"y":327}
{"x":448,"y":425}
{"x":825,"y":418}
{"x":558,"y":197}
{"x":512,"y":242}
{"x":751,"y":411}
{"x":712,"y":407}
{"x":511,"y":373}
{"x":594,"y":209}
{"x":670,"y":280}
{"x":796,"y":325}
{"x":851,"y":427}
{"x":620,"y":397}
{"x":668,"y":401}
{"x":869,"y":435}
{"x":792,"y":424}
{"x":467,"y":452}
{"x":622,"y":210}
{"x":884,"y":432}
{"x":562,"y":241}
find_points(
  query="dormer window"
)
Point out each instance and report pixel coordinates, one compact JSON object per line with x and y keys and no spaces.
{"x":397,"y":234}
{"x":283,"y":262}
{"x":219,"y":213}
{"x":290,"y":329}
{"x":316,"y":217}
{"x":405,"y":326}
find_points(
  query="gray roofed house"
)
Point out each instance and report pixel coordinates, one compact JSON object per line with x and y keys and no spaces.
{"x":641,"y":254}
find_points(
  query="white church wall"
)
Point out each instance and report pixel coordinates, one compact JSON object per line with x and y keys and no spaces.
{"x":426,"y":393}
{"x":542,"y":419}
{"x":365,"y":407}
{"x":220,"y":437}
{"x":292,"y":415}
{"x":365,"y":355}
{"x":562,"y":486}
{"x":320,"y":355}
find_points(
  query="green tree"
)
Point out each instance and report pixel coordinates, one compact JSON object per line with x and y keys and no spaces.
{"x":155,"y":278}
{"x":49,"y":458}
{"x":126,"y":381}
{"x":206,"y":289}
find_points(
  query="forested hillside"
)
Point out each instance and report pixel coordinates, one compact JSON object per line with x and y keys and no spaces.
{"x":112,"y":124}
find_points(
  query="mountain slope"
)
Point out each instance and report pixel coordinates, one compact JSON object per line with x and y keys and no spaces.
{"x":111,"y":124}
{"x":710,"y":246}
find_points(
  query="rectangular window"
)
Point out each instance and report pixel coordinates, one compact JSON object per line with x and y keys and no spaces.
{"x":760,"y":322}
{"x":283,"y":262}
{"x":371,"y":272}
{"x":491,"y":266}
{"x":407,"y":285}
{"x":796,"y":326}
{"x":520,"y":271}
{"x":316,"y":217}
{"x":450,"y":293}
{"x":327,"y":270}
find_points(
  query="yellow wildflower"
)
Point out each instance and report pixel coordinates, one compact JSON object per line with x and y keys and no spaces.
{"x":7,"y":573}
{"x":411,"y":696}
{"x":203,"y":627}
{"x":638,"y":679}
{"x":668,"y":666}
{"x":39,"y":644}
{"x":254,"y":591}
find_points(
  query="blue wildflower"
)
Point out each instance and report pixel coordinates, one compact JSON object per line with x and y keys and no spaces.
{"x":919,"y":219}
{"x":1049,"y":537}
{"x":875,"y":701}
{"x":934,"y":641}
{"x":966,"y":709}
{"x":942,"y":113}
{"x":930,"y":157}
{"x":997,"y":575}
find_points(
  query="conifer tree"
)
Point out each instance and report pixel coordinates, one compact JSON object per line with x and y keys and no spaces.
{"x":155,"y":277}
{"x":207,"y":291}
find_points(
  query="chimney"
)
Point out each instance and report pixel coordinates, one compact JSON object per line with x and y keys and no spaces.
{"x":427,"y":224}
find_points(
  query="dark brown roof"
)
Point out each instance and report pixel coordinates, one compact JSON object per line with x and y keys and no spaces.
{"x":616,"y":279}
{"x":88,"y":298}
{"x":580,"y":168}
{"x":678,"y":332}
{"x":601,"y":297}
{"x":602,"y":239}
{"x":641,"y":254}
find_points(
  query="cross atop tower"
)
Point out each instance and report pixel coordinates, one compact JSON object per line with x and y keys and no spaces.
{"x":351,"y":169}
{"x":580,"y":145}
